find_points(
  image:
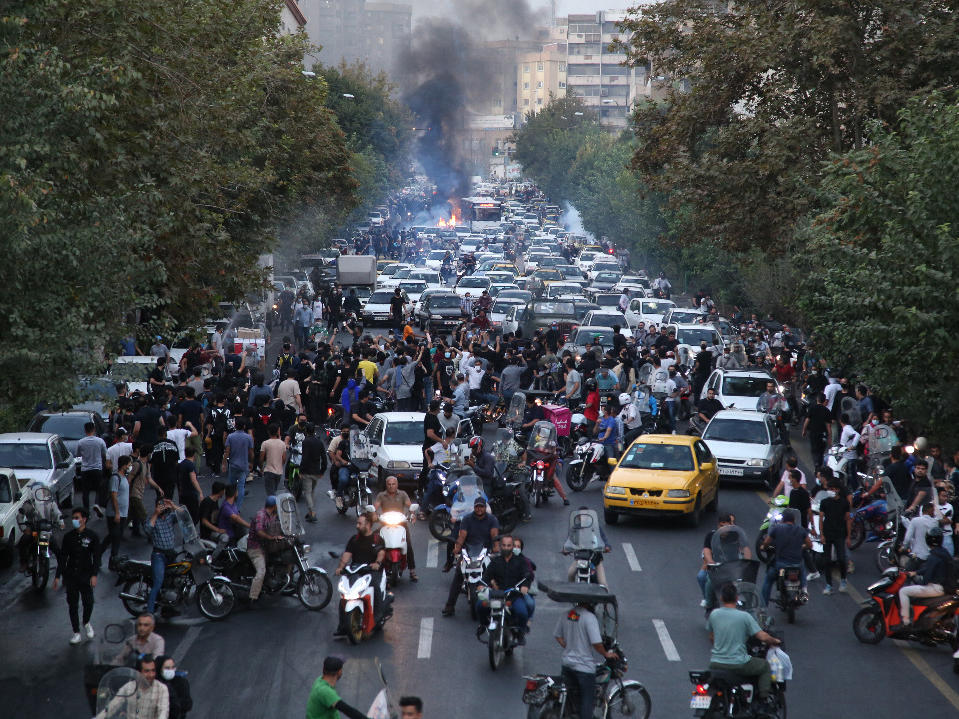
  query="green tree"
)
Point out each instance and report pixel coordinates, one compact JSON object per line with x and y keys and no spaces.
{"x":883,"y":257}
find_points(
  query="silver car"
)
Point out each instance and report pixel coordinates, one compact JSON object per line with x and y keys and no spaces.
{"x":40,"y":457}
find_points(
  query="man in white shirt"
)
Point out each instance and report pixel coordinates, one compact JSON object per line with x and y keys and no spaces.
{"x":832,"y":389}
{"x":623,"y":301}
{"x":120,"y":448}
{"x":178,"y":437}
{"x":849,"y":440}
{"x":288,"y":392}
{"x":915,"y":540}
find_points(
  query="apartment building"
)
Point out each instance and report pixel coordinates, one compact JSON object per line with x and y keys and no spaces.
{"x":539,"y":76}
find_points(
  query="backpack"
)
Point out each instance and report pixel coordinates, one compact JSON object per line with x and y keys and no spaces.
{"x":659,"y":380}
{"x":221,"y":420}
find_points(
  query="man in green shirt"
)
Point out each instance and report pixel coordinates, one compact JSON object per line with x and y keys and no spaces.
{"x":729,"y":629}
{"x":324,"y":702}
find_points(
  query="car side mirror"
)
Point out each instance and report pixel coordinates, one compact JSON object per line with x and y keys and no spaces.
{"x":17,"y":496}
{"x":707,"y":466}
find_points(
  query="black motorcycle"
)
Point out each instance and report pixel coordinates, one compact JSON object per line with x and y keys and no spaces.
{"x":789,"y":588}
{"x":720,"y":693}
{"x":358,"y":495}
{"x":189,"y":574}
{"x":39,"y":531}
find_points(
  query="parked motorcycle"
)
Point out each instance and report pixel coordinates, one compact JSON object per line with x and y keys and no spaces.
{"x":935,"y":619}
{"x":357,"y":602}
{"x":287,"y":571}
{"x":589,"y":462}
{"x":189,"y":575}
{"x":37,"y":525}
{"x":393,"y":533}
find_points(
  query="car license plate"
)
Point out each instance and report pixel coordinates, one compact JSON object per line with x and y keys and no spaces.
{"x":731,"y":471}
{"x":643,"y":502}
{"x":700,"y":702}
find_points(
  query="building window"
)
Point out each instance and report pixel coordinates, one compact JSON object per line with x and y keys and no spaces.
{"x":539,"y":84}
{"x":526,"y":86}
{"x":526,"y":102}
{"x":539,"y":101}
{"x":562,"y":85}
{"x":562,"y":67}
{"x":525,"y":68}
{"x":539,"y":66}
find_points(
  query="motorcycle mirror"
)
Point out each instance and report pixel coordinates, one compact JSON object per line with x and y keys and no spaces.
{"x":414,"y":508}
{"x":369,"y":508}
{"x":114,"y":633}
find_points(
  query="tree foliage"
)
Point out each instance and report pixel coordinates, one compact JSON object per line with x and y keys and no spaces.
{"x":147,"y":152}
{"x":757,"y":98}
{"x":883,"y":258}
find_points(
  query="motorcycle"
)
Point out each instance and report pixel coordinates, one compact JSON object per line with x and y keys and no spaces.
{"x":459,"y":491}
{"x":730,"y":567}
{"x":789,"y":591}
{"x":719,"y":693}
{"x":585,"y":541}
{"x":502,"y":637}
{"x":870,"y":522}
{"x":935,"y":619}
{"x":473,"y":562}
{"x":538,"y":489}
{"x":358,"y":494}
{"x":189,"y":575}
{"x":589,"y":463}
{"x":357,"y":602}
{"x":287,"y":572}
{"x":39,"y":528}
{"x":548,"y":695}
{"x":393,"y":533}
{"x":775,"y":515}
{"x":542,"y":444}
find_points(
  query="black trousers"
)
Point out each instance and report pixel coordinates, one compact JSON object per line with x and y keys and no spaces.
{"x":77,"y":588}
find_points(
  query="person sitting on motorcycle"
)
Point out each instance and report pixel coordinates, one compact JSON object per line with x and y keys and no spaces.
{"x":506,"y":571}
{"x":341,"y":465}
{"x":600,"y":569}
{"x":481,"y":321}
{"x":545,"y":449}
{"x":144,"y":640}
{"x":729,"y":630}
{"x":661,"y":284}
{"x":789,"y":539}
{"x":591,"y":411}
{"x":30,"y":515}
{"x":516,"y":469}
{"x":265,"y":533}
{"x":480,"y":528}
{"x":773,"y":403}
{"x":708,"y":601}
{"x":485,"y":302}
{"x":364,"y":547}
{"x":533,"y":412}
{"x":608,"y":432}
{"x":394,"y":499}
{"x":160,"y":530}
{"x":578,"y":633}
{"x":631,"y":418}
{"x":351,"y":303}
{"x":930,"y":580}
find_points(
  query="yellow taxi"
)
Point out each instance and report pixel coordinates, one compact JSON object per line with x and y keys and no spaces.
{"x":663,"y":474}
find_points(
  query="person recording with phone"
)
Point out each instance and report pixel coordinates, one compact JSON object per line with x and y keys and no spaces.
{"x":160,"y":530}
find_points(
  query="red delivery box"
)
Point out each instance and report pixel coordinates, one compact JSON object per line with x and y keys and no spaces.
{"x":559,"y":416}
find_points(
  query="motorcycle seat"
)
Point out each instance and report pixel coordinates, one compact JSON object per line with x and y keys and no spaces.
{"x":720,"y":676}
{"x":929,"y":601}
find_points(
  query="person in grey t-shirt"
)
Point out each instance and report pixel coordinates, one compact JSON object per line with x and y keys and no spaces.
{"x":578,"y":634}
{"x":510,"y":379}
{"x":92,"y":451}
{"x":118,"y":505}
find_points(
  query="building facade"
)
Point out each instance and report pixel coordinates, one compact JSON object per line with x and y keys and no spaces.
{"x":540,"y":76}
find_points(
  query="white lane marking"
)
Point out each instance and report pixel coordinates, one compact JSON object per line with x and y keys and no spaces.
{"x":183,"y":647}
{"x":668,"y":647}
{"x":631,"y":557}
{"x":433,"y":552}
{"x":426,"y":638}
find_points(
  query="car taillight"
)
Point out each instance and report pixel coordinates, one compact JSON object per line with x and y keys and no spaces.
{"x":701,"y":690}
{"x":531,"y":685}
{"x":540,"y":465}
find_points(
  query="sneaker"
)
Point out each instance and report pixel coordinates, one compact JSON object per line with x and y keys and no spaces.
{"x":828,"y":589}
{"x":98,"y":509}
{"x":89,"y":630}
{"x":76,"y":639}
{"x":480,"y":631}
{"x":812,"y":575}
{"x":448,"y":566}
{"x":702,"y":603}
{"x":331,"y":494}
{"x":448,"y":610}
{"x":528,"y":518}
{"x":803,"y":596}
{"x":311,"y":517}
{"x":842,"y":586}
{"x":955,"y":654}
{"x":565,"y":502}
{"x":338,"y":502}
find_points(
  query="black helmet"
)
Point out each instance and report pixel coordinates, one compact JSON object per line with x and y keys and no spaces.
{"x":521,"y":437}
{"x":591,"y":384}
{"x":934,"y":537}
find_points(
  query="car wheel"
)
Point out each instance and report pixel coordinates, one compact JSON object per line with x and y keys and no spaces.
{"x":713,"y":506}
{"x":609,"y":516}
{"x":693,"y":517}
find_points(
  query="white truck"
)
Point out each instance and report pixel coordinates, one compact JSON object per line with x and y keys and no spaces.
{"x":356,"y":270}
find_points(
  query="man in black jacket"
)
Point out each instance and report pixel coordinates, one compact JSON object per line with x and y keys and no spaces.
{"x":79,"y":563}
{"x":312,"y":466}
{"x":506,"y":572}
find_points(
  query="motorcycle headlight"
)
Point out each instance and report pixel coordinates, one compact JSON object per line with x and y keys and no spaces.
{"x":398,"y":465}
{"x":613,"y":489}
{"x":782,"y":389}
{"x":392,"y":518}
{"x":306,"y":548}
{"x":757,"y":462}
{"x":677,"y":493}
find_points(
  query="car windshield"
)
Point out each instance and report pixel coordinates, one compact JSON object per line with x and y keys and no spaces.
{"x":585,"y":335}
{"x":437,"y":254}
{"x":516,"y":294}
{"x":744,"y":386}
{"x":684,"y":316}
{"x":569,"y":272}
{"x":390,"y":269}
{"x":607,"y":276}
{"x":553,"y":308}
{"x":695,"y":336}
{"x":556,"y":290}
{"x":404,"y":432}
{"x":380,"y":298}
{"x":131,"y":371}
{"x":474,"y":282}
{"x":607,"y":300}
{"x":654,"y":308}
{"x":444,"y":301}
{"x":606,"y":319}
{"x":415,"y":287}
{"x":68,"y":426}
{"x":743,"y":431}
{"x":427,"y":276}
{"x":667,"y":457}
{"x":503,"y":307}
{"x":582,"y":309}
{"x":402,"y":274}
{"x":586,"y":256}
{"x":27,"y":456}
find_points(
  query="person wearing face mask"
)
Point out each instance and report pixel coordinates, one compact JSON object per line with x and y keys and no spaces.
{"x":79,"y":564}
{"x":504,"y":572}
{"x":836,"y":528}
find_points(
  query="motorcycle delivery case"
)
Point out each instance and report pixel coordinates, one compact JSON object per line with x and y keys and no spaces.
{"x":560,"y":417}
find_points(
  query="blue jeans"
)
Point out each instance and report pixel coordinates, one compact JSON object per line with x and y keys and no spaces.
{"x":705,"y":585}
{"x":342,"y":479}
{"x":427,"y":393}
{"x":158,"y":562}
{"x":773,"y":571}
{"x":671,"y":407}
{"x":520,"y":612}
{"x":236,"y":477}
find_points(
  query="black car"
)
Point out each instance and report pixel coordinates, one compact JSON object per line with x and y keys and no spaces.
{"x":440,"y":312}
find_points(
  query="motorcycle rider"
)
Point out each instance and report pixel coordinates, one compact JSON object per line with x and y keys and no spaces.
{"x":729,"y":629}
{"x":930,"y":580}
{"x":480,"y":528}
{"x":771,"y":402}
{"x":577,"y":632}
{"x":600,"y":569}
{"x":264,"y":533}
{"x":631,"y":418}
{"x":662,"y":284}
{"x":144,"y":641}
{"x":506,"y":571}
{"x":160,"y":530}
{"x":709,"y":406}
{"x":702,"y":576}
{"x":394,"y":499}
{"x":789,"y":539}
{"x":32,"y":515}
{"x":364,"y":547}
{"x":546,"y":450}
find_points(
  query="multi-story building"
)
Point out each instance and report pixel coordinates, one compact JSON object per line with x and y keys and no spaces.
{"x":540,"y":76}
{"x":597,"y":74}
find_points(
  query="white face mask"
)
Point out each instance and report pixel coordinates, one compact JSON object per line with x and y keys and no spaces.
{"x":168,"y":674}
{"x":831,"y":493}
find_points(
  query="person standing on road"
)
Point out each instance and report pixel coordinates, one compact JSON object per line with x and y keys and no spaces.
{"x":818,"y":427}
{"x":161,"y":531}
{"x":92,"y":451}
{"x":324,"y":702}
{"x":397,"y":311}
{"x":118,"y":506}
{"x":79,"y":564}
{"x":312,"y":467}
{"x":273,"y":459}
{"x":237,"y":457}
{"x":302,"y":321}
{"x":836,"y":527}
{"x":578,"y":634}
{"x":163,"y":465}
{"x":188,"y":485}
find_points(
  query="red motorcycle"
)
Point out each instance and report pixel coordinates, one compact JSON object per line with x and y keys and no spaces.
{"x":935,"y":620}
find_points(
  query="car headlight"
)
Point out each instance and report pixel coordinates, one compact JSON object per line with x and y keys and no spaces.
{"x":757,"y":462}
{"x":398,"y":465}
{"x":677,"y":493}
{"x":613,"y":489}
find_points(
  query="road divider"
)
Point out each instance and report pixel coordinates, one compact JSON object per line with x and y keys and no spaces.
{"x":433,"y":552}
{"x":426,"y":638}
{"x":667,"y":641}
{"x":631,"y":558}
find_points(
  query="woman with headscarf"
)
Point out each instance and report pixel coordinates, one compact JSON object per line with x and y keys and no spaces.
{"x":178,"y":686}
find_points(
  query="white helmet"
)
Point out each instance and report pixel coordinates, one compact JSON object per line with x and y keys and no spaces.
{"x":625,"y":399}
